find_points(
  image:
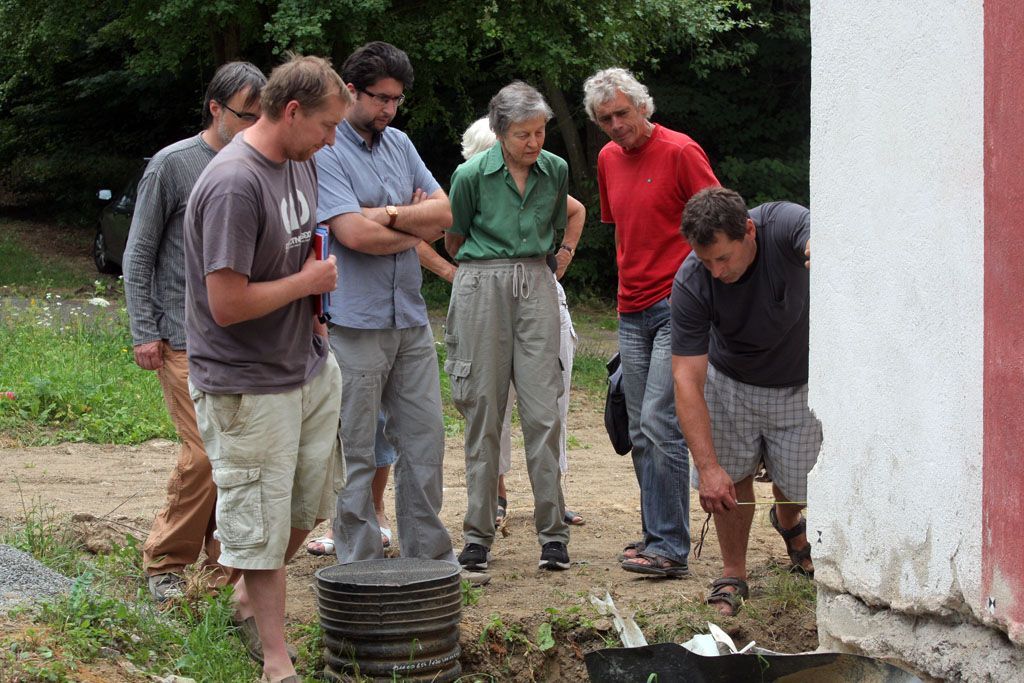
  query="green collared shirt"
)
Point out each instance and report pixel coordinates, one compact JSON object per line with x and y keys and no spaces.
{"x":495,"y":219}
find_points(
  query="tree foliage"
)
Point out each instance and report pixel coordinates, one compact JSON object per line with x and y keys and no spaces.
{"x":88,"y":89}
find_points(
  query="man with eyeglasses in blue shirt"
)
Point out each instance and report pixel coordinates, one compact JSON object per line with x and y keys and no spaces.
{"x":382,"y":204}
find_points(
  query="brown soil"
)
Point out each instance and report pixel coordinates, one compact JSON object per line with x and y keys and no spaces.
{"x":105,"y":491}
{"x":125,"y":485}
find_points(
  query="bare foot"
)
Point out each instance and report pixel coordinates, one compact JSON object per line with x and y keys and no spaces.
{"x":385,"y":528}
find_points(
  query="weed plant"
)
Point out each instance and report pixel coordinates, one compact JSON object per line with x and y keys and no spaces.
{"x":108,"y":614}
{"x":71,"y":377}
{"x":470,"y":593}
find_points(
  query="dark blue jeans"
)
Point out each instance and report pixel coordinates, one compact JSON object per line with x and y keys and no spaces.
{"x":660,"y":457}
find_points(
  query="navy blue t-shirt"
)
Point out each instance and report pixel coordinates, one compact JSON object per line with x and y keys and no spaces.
{"x":754,"y":330}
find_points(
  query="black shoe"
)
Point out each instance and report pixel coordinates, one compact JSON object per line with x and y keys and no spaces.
{"x":474,"y":557}
{"x":554,"y":556}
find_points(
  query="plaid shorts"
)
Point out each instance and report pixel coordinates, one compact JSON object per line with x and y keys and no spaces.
{"x":750,"y":423}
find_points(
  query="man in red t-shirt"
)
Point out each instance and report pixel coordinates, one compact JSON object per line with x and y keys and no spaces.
{"x":646,"y":174}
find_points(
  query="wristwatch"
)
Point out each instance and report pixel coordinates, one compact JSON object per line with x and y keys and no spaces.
{"x":392,"y":212}
{"x":569,"y":249}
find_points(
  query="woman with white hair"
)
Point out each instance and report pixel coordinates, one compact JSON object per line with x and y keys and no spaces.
{"x":478,"y":138}
{"x":508,"y":203}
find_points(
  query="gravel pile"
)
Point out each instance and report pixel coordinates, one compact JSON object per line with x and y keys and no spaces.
{"x":24,"y":581}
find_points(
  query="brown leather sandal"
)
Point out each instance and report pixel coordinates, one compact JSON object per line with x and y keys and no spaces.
{"x":656,"y":565}
{"x":631,"y":551}
{"x":798,"y":555}
{"x":734,"y":599}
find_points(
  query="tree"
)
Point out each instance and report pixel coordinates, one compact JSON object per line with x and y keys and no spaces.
{"x":88,"y":89}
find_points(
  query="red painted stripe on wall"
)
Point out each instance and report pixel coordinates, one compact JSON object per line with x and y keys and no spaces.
{"x":1003,"y":466}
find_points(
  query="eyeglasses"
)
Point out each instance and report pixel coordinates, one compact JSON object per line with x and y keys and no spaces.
{"x":243,"y":115}
{"x":384,"y":100}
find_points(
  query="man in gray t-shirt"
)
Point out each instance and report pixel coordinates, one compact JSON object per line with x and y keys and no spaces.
{"x":266,"y":389}
{"x":154,"y":286}
{"x":740,"y":305}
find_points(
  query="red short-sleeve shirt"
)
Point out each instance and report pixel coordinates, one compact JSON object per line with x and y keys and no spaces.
{"x":643,"y":192}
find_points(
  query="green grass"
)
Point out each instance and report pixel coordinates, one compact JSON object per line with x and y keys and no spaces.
{"x":454,"y":423}
{"x":108,"y":614}
{"x":71,"y":372}
{"x":21,"y":267}
{"x":39,"y":534}
{"x":596,"y":314}
{"x":589,"y":374}
{"x":73,"y":378}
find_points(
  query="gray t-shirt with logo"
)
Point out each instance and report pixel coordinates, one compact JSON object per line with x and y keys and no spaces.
{"x":255,"y":217}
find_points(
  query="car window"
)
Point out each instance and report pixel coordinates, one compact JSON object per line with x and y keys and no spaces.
{"x":127,"y":200}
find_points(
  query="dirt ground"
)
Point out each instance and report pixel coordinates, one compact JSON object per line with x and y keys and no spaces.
{"x":126,"y":485}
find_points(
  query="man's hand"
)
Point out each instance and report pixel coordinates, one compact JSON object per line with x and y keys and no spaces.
{"x":149,"y":356}
{"x":717,"y":492}
{"x":322,"y":276}
{"x":807,"y":253}
{"x":563,"y":258}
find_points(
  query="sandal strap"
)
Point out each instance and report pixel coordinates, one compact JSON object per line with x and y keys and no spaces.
{"x":659,"y":561}
{"x":792,"y":532}
{"x":733,"y":599}
{"x":742,"y":589}
{"x":797,"y":557}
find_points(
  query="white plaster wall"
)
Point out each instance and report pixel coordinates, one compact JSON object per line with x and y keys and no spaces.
{"x":896,"y":300}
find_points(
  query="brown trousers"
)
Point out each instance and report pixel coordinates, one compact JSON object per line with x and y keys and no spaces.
{"x":185,"y":525}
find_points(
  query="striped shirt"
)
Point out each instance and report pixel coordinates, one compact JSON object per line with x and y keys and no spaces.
{"x":154,"y":258}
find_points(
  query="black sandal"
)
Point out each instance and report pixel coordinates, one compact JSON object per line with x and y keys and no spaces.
{"x":734,"y":599}
{"x":799,"y":555}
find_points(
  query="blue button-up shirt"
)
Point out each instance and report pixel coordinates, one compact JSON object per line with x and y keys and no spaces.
{"x":374,"y":292}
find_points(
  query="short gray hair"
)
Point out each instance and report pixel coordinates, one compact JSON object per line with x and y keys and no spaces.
{"x":516,"y":102}
{"x":604,"y":85}
{"x":478,"y":138}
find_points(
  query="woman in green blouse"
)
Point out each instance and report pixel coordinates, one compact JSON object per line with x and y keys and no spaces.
{"x":508,"y":204}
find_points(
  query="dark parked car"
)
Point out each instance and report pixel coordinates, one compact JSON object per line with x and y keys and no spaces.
{"x":112,"y":226}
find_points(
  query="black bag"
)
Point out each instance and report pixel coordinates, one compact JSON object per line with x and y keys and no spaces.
{"x":616,"y":419}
